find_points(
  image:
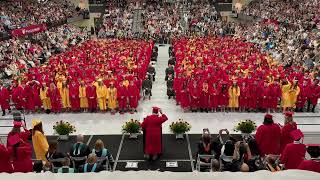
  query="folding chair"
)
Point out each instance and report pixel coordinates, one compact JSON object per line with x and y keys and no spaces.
{"x":200,"y":164}
{"x":52,"y":161}
{"x":77,"y":159}
{"x":104,"y":161}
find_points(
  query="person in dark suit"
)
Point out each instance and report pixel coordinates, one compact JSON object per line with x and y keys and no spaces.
{"x":79,"y":149}
{"x":53,"y":154}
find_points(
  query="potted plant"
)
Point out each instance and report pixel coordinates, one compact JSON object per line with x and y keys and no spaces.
{"x":133,"y":127}
{"x":63,"y":129}
{"x":246,"y":127}
{"x":179,"y":128}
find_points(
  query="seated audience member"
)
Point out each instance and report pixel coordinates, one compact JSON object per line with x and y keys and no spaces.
{"x":293,"y":154}
{"x":5,"y":163}
{"x":92,"y":165}
{"x":271,"y":164}
{"x":100,"y":151}
{"x":208,"y":147}
{"x":39,"y":140}
{"x":255,"y":163}
{"x":231,"y":158}
{"x":314,"y":163}
{"x":66,"y":167}
{"x":38,"y":166}
{"x":268,"y":137}
{"x":21,"y":154}
{"x":79,"y":149}
{"x":53,"y":154}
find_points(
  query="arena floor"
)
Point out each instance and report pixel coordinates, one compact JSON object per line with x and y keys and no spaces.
{"x":105,"y":123}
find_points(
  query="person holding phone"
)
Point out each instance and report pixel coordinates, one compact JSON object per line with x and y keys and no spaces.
{"x":152,"y":133}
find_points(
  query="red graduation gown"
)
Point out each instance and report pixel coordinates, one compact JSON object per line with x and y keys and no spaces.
{"x":4,"y":98}
{"x":194,"y":92}
{"x":243,"y":99}
{"x":92,"y":97}
{"x":213,"y":98}
{"x":74,"y":97}
{"x":303,"y":96}
{"x":152,"y":125}
{"x":286,"y":136}
{"x":17,"y":97}
{"x":293,"y":155}
{"x":267,"y":137}
{"x":310,"y":165}
{"x":55,"y":99}
{"x":134,"y":96}
{"x":22,"y":160}
{"x":5,"y":164}
{"x":28,"y":92}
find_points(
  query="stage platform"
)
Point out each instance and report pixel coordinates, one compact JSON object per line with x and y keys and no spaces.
{"x":126,"y":150}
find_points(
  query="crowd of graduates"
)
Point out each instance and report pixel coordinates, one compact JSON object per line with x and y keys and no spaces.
{"x":226,"y":73}
{"x":96,"y":75}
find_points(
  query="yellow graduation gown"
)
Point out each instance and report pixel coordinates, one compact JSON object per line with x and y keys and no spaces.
{"x":83,"y":97}
{"x":102,"y":97}
{"x":112,"y":98}
{"x":234,"y":94}
{"x":65,"y":98}
{"x":286,"y":96}
{"x":40,"y":145}
{"x":293,"y":95}
{"x":46,"y":103}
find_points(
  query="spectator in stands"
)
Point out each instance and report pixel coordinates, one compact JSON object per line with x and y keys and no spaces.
{"x":53,"y":154}
{"x":66,"y":167}
{"x":268,"y":137}
{"x":5,"y":162}
{"x":101,"y":152}
{"x":293,"y":154}
{"x":79,"y":149}
{"x":92,"y":165}
{"x":314,"y":163}
{"x":39,"y":140}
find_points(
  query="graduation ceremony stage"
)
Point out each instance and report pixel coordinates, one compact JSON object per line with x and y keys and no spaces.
{"x":127,"y":151}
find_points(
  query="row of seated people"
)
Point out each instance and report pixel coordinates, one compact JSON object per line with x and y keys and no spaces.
{"x":17,"y":155}
{"x":254,"y":153}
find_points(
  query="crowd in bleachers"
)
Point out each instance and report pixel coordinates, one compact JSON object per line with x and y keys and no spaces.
{"x":21,"y":13}
{"x":18,"y":55}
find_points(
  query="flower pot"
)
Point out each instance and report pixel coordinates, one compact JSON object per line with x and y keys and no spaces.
{"x":133,"y":136}
{"x":63,"y":137}
{"x":180,"y":136}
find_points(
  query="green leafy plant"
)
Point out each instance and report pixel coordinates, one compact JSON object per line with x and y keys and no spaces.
{"x":180,"y":127}
{"x":246,"y":126}
{"x":131,"y":126}
{"x":64,"y":128}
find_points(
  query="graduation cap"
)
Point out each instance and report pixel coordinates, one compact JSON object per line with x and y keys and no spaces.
{"x":35,"y":122}
{"x":268,"y":116}
{"x":17,"y":124}
{"x":155,"y":110}
{"x":288,"y":114}
{"x":296,"y":134}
